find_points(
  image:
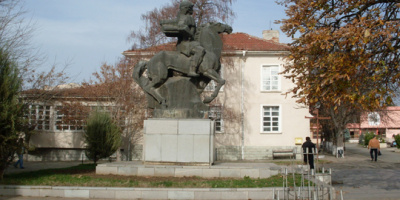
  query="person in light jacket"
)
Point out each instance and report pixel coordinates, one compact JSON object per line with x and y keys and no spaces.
{"x":374,"y":148}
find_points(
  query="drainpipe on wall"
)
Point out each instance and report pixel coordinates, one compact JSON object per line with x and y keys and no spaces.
{"x":242,"y":102}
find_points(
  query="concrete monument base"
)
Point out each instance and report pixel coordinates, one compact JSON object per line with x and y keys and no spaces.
{"x":178,"y":141}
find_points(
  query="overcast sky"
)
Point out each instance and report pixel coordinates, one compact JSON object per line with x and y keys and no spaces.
{"x":87,"y":33}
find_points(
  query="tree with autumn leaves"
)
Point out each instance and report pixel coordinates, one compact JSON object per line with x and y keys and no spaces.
{"x":346,"y":57}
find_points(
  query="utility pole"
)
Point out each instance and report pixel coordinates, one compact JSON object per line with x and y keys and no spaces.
{"x":316,"y":111}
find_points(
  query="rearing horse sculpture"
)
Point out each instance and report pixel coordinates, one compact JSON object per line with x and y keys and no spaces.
{"x":159,"y":65}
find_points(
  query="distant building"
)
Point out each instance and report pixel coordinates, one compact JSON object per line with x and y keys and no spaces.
{"x":54,"y":137}
{"x":384,"y":123}
{"x":58,"y":115}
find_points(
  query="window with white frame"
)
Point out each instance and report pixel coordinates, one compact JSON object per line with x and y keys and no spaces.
{"x":270,"y":78}
{"x":68,"y":117}
{"x":271,"y":119}
{"x":215,"y":113}
{"x":68,"y":120}
{"x":39,"y":115}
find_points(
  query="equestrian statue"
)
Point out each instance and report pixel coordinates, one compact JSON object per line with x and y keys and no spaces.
{"x":175,"y":80}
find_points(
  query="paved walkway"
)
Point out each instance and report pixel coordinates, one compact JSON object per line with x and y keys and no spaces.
{"x":34,"y":166}
{"x":359,"y":178}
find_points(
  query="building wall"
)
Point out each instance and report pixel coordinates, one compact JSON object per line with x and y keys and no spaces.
{"x":391,"y":132}
{"x":293,"y":119}
{"x":388,"y":118}
{"x":57,"y":154}
{"x":58,"y":139}
{"x":388,"y":123}
{"x":257,"y":144}
{"x":53,"y":143}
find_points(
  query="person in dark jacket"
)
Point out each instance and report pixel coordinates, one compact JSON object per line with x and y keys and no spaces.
{"x":309,"y":155}
{"x":20,"y":152}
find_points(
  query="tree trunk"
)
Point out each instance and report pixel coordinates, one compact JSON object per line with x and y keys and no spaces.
{"x":339,"y":139}
{"x":1,"y":174}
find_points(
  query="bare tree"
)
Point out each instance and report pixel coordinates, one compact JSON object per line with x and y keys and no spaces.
{"x":204,"y":11}
{"x":16,"y":31}
{"x":114,"y":83}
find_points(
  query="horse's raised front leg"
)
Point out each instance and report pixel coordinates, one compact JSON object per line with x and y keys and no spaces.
{"x":213,"y":75}
{"x":152,"y":89}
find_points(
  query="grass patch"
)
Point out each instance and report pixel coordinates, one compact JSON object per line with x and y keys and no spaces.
{"x":84,"y":175}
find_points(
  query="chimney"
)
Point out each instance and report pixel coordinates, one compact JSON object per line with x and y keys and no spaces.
{"x":271,"y":35}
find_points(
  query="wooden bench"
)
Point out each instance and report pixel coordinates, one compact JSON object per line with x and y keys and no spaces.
{"x":283,"y":153}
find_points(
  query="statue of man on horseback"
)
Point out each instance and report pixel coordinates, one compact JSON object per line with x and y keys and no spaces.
{"x":197,"y":57}
{"x":184,"y":27}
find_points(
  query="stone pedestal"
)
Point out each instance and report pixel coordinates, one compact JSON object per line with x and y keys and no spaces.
{"x":178,"y":141}
{"x":183,"y":100}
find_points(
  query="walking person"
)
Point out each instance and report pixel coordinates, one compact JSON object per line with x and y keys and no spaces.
{"x":374,"y":148}
{"x":20,"y":153}
{"x":308,"y":155}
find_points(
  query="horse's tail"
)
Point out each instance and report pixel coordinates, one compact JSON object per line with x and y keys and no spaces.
{"x":138,"y":71}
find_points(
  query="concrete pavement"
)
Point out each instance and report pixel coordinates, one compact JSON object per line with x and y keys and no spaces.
{"x":34,"y":166}
{"x":360,"y":178}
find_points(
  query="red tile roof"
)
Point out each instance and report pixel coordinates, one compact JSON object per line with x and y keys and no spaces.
{"x":243,"y":41}
{"x":232,"y":42}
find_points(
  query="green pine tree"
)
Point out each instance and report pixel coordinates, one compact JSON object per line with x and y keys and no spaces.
{"x":368,"y":136}
{"x":10,"y":110}
{"x":102,"y":136}
{"x":397,"y":139}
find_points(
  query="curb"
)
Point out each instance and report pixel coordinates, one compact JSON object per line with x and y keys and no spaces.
{"x":142,"y":193}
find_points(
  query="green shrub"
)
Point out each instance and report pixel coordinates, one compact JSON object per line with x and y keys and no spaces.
{"x":347,"y":135}
{"x":102,"y":136}
{"x":11,"y":113}
{"x":367,"y":137}
{"x":397,"y":139}
{"x":361,"y":139}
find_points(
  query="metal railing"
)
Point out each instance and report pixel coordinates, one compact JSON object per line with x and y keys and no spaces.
{"x":315,"y":184}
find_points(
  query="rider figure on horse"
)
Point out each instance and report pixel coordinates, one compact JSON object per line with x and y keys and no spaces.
{"x":184,"y":27}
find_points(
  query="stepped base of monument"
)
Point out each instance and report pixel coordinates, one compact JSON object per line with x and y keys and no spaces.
{"x":180,"y":113}
{"x":177,"y":163}
{"x":219,"y":170}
